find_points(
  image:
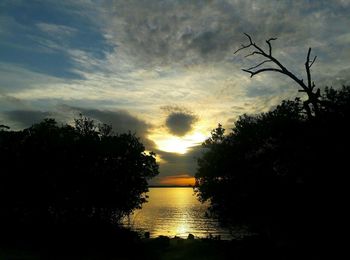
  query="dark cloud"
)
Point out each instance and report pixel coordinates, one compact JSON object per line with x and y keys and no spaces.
{"x":179,"y":123}
{"x":24,"y":118}
{"x":121,"y":121}
{"x":205,"y":42}
{"x":7,"y":102}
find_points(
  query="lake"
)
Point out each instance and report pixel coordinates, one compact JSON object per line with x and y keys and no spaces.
{"x":174,"y":212}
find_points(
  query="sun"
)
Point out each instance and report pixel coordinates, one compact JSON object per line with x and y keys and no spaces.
{"x":180,"y":145}
{"x":173,"y":145}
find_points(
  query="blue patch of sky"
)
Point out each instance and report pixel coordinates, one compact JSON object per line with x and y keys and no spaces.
{"x":53,"y":64}
{"x":23,"y":46}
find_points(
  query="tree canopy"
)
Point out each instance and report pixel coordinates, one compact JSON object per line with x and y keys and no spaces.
{"x":58,"y":174}
{"x":280,"y":173}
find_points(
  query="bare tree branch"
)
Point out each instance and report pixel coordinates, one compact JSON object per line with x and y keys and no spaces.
{"x":250,"y":38}
{"x":307,"y":68}
{"x":261,"y":63}
{"x":243,"y":47}
{"x":253,"y":53}
{"x":307,"y":88}
{"x":268,"y":42}
{"x":312,"y":61}
{"x":253,"y":73}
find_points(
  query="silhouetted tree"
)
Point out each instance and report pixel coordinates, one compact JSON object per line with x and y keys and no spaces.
{"x":62,"y":175}
{"x":279,"y":173}
{"x":308,"y":88}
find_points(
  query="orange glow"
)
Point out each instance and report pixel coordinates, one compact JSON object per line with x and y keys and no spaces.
{"x":178,"y":180}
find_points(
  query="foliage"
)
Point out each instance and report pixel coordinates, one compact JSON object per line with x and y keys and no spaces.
{"x":58,"y":175}
{"x":279,"y":172}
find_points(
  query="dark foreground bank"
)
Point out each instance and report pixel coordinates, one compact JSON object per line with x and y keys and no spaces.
{"x":125,"y":244}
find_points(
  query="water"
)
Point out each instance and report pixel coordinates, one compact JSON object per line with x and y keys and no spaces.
{"x":174,"y":212}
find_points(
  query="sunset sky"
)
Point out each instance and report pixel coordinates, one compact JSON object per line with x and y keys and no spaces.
{"x":165,"y":70}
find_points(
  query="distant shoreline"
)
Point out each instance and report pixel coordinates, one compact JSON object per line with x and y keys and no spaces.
{"x":164,"y":186}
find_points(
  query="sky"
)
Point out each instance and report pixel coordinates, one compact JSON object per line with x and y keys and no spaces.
{"x":163,"y":69}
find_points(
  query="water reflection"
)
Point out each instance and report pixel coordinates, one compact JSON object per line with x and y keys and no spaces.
{"x":174,"y":212}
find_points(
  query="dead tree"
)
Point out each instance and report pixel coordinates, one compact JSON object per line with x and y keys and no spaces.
{"x":309,"y":88}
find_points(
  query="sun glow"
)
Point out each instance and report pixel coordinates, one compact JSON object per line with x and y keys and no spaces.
{"x":180,"y":145}
{"x":182,"y":228}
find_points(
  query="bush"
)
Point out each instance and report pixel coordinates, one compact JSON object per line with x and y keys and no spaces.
{"x":61,"y":175}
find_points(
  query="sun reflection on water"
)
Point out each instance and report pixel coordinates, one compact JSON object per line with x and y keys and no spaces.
{"x":182,"y":229}
{"x":174,"y":212}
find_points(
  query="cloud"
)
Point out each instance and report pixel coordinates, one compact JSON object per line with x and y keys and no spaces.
{"x":121,"y":121}
{"x":53,"y":38}
{"x":178,"y":33}
{"x":169,"y":33}
{"x":10,"y":103}
{"x":24,"y":118}
{"x":179,"y":121}
{"x":174,"y":163}
{"x":56,"y":30}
